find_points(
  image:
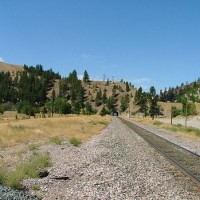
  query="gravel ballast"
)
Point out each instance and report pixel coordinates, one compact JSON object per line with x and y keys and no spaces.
{"x":117,"y":164}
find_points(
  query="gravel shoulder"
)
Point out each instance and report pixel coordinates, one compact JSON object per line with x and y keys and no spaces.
{"x":188,"y":143}
{"x":117,"y":164}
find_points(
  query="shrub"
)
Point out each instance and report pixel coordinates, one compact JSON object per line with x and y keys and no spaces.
{"x":2,"y":109}
{"x":75,"y":141}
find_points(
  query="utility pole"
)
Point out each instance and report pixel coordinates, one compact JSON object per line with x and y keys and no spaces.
{"x":186,"y":111}
{"x":104,"y":77}
{"x":171,"y":113}
{"x":113,"y":79}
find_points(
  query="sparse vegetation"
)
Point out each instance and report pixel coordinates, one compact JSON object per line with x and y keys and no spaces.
{"x":75,"y":141}
{"x":56,"y":140}
{"x":33,"y":147}
{"x":29,"y":130}
{"x":157,"y":123}
{"x":23,"y":171}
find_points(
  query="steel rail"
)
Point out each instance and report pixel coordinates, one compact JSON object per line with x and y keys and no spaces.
{"x":184,"y":169}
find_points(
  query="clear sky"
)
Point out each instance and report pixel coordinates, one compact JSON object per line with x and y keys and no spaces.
{"x":146,"y":42}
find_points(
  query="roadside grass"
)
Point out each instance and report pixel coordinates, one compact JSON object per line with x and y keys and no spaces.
{"x":41,"y":129}
{"x":25,"y":170}
{"x":178,"y":128}
{"x":157,"y":123}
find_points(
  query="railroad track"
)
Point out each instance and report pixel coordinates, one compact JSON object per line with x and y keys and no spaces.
{"x":187,"y":161}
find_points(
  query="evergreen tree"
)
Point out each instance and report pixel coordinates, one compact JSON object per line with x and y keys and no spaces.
{"x":103,"y":111}
{"x":124,"y":103}
{"x":153,"y":103}
{"x":104,"y":96}
{"x":88,"y":108}
{"x":110,"y":104}
{"x":127,"y":87}
{"x":98,"y":99}
{"x":86,"y":77}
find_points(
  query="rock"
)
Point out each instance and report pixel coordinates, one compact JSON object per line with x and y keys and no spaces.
{"x":43,"y":173}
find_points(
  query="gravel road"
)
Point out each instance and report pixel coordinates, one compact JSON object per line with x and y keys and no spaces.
{"x":117,"y":164}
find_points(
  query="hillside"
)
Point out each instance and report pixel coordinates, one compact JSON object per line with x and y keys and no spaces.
{"x":5,"y":67}
{"x":120,"y":91}
{"x":37,"y":86}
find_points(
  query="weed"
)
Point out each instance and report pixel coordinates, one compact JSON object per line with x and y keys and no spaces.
{"x":2,"y":176}
{"x":194,"y":130}
{"x":35,"y":187}
{"x":173,"y":128}
{"x":76,"y":142}
{"x":33,"y":147}
{"x":56,"y":140}
{"x":26,"y":170}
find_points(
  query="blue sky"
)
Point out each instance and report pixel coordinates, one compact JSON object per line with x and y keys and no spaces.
{"x":146,"y":42}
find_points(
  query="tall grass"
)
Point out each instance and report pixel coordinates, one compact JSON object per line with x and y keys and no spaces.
{"x":25,"y":170}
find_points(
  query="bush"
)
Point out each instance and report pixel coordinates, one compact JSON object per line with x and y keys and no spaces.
{"x":26,"y":108}
{"x":2,"y":109}
{"x":76,"y":142}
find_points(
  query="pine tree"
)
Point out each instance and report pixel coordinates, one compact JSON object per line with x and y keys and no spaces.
{"x":104,"y":96}
{"x":98,"y":99}
{"x":153,"y":100}
{"x":86,"y":77}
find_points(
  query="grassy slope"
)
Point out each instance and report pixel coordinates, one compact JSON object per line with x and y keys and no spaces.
{"x":10,"y":67}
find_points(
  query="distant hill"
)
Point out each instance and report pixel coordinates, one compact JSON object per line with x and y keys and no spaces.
{"x":120,"y":91}
{"x":5,"y":67}
{"x":40,"y":84}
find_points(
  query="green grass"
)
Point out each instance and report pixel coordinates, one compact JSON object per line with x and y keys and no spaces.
{"x":181,"y":128}
{"x":35,"y":187}
{"x":173,"y":128}
{"x":56,"y":140}
{"x":24,"y":171}
{"x":75,"y":141}
{"x":33,"y":147}
{"x":194,"y":130}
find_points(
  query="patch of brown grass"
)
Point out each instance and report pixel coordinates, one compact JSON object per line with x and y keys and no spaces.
{"x":24,"y":131}
{"x":171,"y":129}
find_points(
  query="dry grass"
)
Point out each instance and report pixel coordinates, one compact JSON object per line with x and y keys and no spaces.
{"x":28,"y":130}
{"x":178,"y":130}
{"x":10,"y":67}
